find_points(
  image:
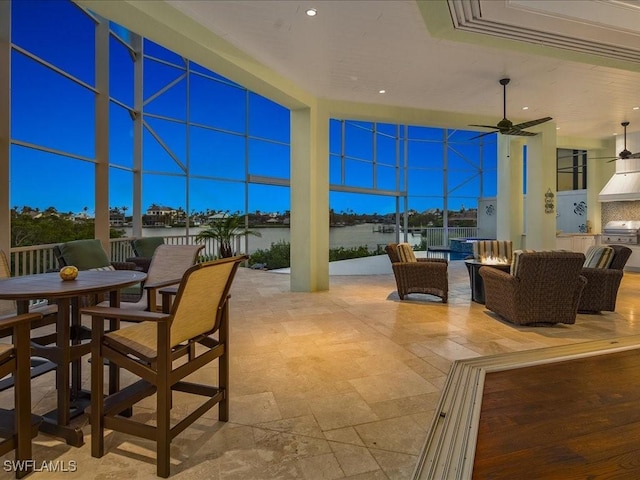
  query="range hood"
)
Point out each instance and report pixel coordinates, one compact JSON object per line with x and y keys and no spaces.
{"x":625,"y":183}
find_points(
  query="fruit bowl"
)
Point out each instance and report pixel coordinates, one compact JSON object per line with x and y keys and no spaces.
{"x":68,"y":273}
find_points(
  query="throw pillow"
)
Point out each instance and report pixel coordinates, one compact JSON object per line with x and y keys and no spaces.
{"x":598,"y":256}
{"x":515,"y":260}
{"x":405,"y":252}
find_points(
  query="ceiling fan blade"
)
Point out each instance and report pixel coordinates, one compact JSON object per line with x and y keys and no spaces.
{"x":482,"y":135}
{"x":532,"y":123}
{"x":518,"y":132}
{"x":486,"y":126}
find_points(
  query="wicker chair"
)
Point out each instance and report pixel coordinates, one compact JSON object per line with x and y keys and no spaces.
{"x":418,"y":275}
{"x":148,"y":350}
{"x":603,"y":283}
{"x":544,"y":289}
{"x":144,"y":248}
{"x":88,"y":255}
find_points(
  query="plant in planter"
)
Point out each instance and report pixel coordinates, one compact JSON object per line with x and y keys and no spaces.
{"x":224,"y":229}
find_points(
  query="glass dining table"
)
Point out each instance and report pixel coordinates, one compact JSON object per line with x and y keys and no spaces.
{"x":66,"y":347}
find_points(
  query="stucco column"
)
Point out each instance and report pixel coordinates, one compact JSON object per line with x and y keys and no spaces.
{"x":510,"y":182}
{"x":599,"y":171}
{"x":540,"y":225}
{"x":309,"y":200}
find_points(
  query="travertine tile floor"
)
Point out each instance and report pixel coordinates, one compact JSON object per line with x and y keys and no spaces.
{"x":336,"y":384}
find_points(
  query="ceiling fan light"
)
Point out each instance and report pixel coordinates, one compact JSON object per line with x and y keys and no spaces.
{"x":311,"y":12}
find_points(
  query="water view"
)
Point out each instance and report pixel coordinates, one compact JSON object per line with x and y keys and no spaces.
{"x":346,"y":237}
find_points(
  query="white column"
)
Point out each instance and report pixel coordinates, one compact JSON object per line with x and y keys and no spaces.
{"x":541,"y":178}
{"x":5,"y":125}
{"x":309,"y":200}
{"x":510,"y":192}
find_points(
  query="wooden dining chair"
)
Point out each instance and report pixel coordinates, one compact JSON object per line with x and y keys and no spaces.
{"x":18,"y":426}
{"x":48,"y":316}
{"x":168,"y":264}
{"x":148,"y":350}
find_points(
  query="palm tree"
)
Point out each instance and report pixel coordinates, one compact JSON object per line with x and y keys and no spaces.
{"x":224,"y":229}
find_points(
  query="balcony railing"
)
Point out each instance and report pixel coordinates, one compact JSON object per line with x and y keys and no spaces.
{"x":41,"y":259}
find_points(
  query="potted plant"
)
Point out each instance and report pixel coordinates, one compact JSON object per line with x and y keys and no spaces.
{"x":224,"y":229}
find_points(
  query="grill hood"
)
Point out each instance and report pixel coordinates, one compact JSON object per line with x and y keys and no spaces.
{"x":625,"y":183}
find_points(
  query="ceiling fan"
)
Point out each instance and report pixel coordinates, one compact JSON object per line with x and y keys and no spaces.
{"x":624,"y":154}
{"x":506,"y":126}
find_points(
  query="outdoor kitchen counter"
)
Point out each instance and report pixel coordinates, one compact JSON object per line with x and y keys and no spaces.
{"x":633,"y":264}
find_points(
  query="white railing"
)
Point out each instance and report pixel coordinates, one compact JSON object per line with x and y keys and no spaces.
{"x":41,"y":258}
{"x":439,"y":236}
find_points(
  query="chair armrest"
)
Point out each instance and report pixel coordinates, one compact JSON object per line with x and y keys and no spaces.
{"x":10,"y":322}
{"x":124,"y":266}
{"x":141,"y":262}
{"x":433,"y":260}
{"x":124,"y":314}
{"x":165,"y":283}
{"x":422,"y":266}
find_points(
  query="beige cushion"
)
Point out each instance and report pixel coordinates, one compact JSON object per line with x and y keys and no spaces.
{"x":515,"y":260}
{"x":598,"y":256}
{"x":493,"y":250}
{"x":405,"y":252}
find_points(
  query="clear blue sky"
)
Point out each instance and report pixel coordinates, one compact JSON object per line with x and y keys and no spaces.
{"x":50,"y":110}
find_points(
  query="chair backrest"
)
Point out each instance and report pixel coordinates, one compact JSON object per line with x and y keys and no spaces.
{"x":198,"y":307}
{"x":7,"y":307}
{"x":620,"y":256}
{"x":146,"y":247}
{"x":84,"y":254}
{"x":548,"y":275}
{"x":171,"y":261}
{"x":400,"y":252}
{"x":493,"y":250}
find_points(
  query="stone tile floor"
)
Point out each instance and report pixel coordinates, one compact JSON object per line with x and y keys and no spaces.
{"x":326,"y":385}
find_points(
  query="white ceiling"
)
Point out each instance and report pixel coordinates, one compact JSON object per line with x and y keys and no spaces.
{"x":353,"y":49}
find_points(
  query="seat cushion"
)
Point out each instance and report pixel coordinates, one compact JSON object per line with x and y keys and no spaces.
{"x":405,"y":252}
{"x":84,"y":254}
{"x":598,"y":256}
{"x":515,"y":260}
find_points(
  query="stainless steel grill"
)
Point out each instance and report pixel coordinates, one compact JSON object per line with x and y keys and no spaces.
{"x":622,"y":232}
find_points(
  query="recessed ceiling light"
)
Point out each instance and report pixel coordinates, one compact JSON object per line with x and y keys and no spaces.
{"x":525,"y":108}
{"x":636,"y":108}
{"x":311,"y":12}
{"x":382,"y":91}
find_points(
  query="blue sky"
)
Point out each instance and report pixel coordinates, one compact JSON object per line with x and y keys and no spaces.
{"x":52,"y":111}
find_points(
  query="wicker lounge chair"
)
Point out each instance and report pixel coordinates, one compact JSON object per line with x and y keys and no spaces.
{"x":418,"y":275}
{"x":144,"y":248}
{"x":543,"y":288}
{"x":603,"y":283}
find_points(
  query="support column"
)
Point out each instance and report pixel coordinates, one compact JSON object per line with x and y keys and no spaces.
{"x":540,"y":226}
{"x":599,"y":172}
{"x":510,"y":190}
{"x":102,"y":135}
{"x":309,"y":200}
{"x":5,"y":125}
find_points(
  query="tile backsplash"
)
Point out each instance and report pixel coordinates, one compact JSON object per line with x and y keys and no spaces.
{"x":620,"y":211}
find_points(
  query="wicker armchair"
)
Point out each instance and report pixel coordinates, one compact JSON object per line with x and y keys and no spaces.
{"x":603,"y":283}
{"x":418,"y":275}
{"x":545,"y":288}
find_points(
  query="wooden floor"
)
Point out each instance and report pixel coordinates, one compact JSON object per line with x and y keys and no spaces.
{"x":578,"y":419}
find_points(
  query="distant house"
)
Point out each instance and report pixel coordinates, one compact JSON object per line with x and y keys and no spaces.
{"x":158,"y":216}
